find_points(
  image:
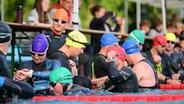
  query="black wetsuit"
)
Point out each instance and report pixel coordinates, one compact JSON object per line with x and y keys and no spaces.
{"x":62,"y":58}
{"x":40,"y":78}
{"x":12,"y":88}
{"x":169,"y":67}
{"x":120,"y":81}
{"x":99,"y":66}
{"x":4,"y":68}
{"x":55,"y":42}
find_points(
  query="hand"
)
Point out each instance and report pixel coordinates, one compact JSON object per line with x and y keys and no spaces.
{"x":20,"y":75}
{"x":157,"y":59}
{"x":171,"y":81}
{"x":111,"y":55}
{"x":74,"y":68}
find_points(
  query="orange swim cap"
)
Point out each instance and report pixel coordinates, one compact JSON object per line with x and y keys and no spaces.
{"x":61,"y":14}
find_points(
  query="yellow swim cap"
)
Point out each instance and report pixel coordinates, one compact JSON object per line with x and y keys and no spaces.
{"x":76,"y":39}
{"x":170,"y":37}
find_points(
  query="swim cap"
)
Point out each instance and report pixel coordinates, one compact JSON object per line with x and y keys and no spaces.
{"x":61,"y":14}
{"x":137,"y":35}
{"x":76,"y":39}
{"x":119,"y":51}
{"x":108,"y":39}
{"x":39,"y":44}
{"x":130,"y":47}
{"x":61,"y":74}
{"x":5,"y":34}
{"x":170,"y":37}
{"x":159,"y":40}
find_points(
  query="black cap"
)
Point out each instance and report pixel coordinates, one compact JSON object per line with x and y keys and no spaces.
{"x":5,"y":34}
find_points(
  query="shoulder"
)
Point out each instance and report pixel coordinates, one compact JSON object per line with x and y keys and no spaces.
{"x":33,"y":12}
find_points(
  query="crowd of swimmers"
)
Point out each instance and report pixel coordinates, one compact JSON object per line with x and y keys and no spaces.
{"x":53,"y":69}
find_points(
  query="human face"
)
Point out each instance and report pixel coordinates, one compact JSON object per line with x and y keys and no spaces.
{"x":170,"y":45}
{"x":76,"y":51}
{"x":57,"y":88}
{"x":67,"y":5}
{"x":38,"y":57}
{"x":58,"y":24}
{"x":45,"y":5}
{"x":100,"y":13}
{"x":160,"y":49}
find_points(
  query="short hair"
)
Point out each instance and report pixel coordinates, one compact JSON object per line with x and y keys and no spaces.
{"x":145,"y":23}
{"x":82,"y":81}
{"x":95,"y":8}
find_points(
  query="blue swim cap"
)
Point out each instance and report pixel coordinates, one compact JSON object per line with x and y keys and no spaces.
{"x":39,"y":43}
{"x":130,"y":47}
{"x":108,"y":39}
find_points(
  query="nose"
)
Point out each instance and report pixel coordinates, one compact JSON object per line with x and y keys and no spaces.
{"x":51,"y":88}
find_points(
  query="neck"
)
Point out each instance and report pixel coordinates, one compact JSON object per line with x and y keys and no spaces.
{"x":103,"y":51}
{"x":57,"y":33}
{"x":65,"y":50}
{"x":167,"y":52}
{"x":137,"y":57}
{"x":154,"y":51}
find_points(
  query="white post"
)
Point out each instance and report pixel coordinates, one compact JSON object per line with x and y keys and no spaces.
{"x":164,"y":16}
{"x":75,"y":20}
{"x":2,"y":10}
{"x":126,"y":16}
{"x":138,"y":13}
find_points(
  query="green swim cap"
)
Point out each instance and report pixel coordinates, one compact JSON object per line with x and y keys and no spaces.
{"x":137,"y":35}
{"x":61,"y":74}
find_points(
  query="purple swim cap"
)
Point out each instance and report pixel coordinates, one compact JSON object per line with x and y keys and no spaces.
{"x":39,"y":43}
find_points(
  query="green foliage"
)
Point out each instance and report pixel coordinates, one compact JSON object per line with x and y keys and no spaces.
{"x":111,"y":5}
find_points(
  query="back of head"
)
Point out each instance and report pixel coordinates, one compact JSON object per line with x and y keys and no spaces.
{"x":95,"y":9}
{"x":76,"y":39}
{"x":108,"y":39}
{"x":170,"y":37}
{"x":120,"y":52}
{"x":137,"y":35}
{"x":130,"y":47}
{"x":61,"y":14}
{"x":39,"y":44}
{"x":159,"y":40}
{"x":5,"y":34}
{"x":61,"y":75}
{"x":82,"y":81}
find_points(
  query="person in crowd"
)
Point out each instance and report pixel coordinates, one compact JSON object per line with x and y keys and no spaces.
{"x":170,"y":27}
{"x":61,"y":82}
{"x":66,"y":5}
{"x":99,"y":22}
{"x":155,"y":56}
{"x":138,"y":36}
{"x":10,"y":88}
{"x":5,"y":39}
{"x":157,"y":29}
{"x":55,"y":34}
{"x":178,"y":28}
{"x":37,"y":70}
{"x":39,"y":14}
{"x":99,"y":61}
{"x":145,"y":26}
{"x":73,"y":47}
{"x":172,"y":57}
{"x":145,"y":72}
{"x":120,"y":77}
